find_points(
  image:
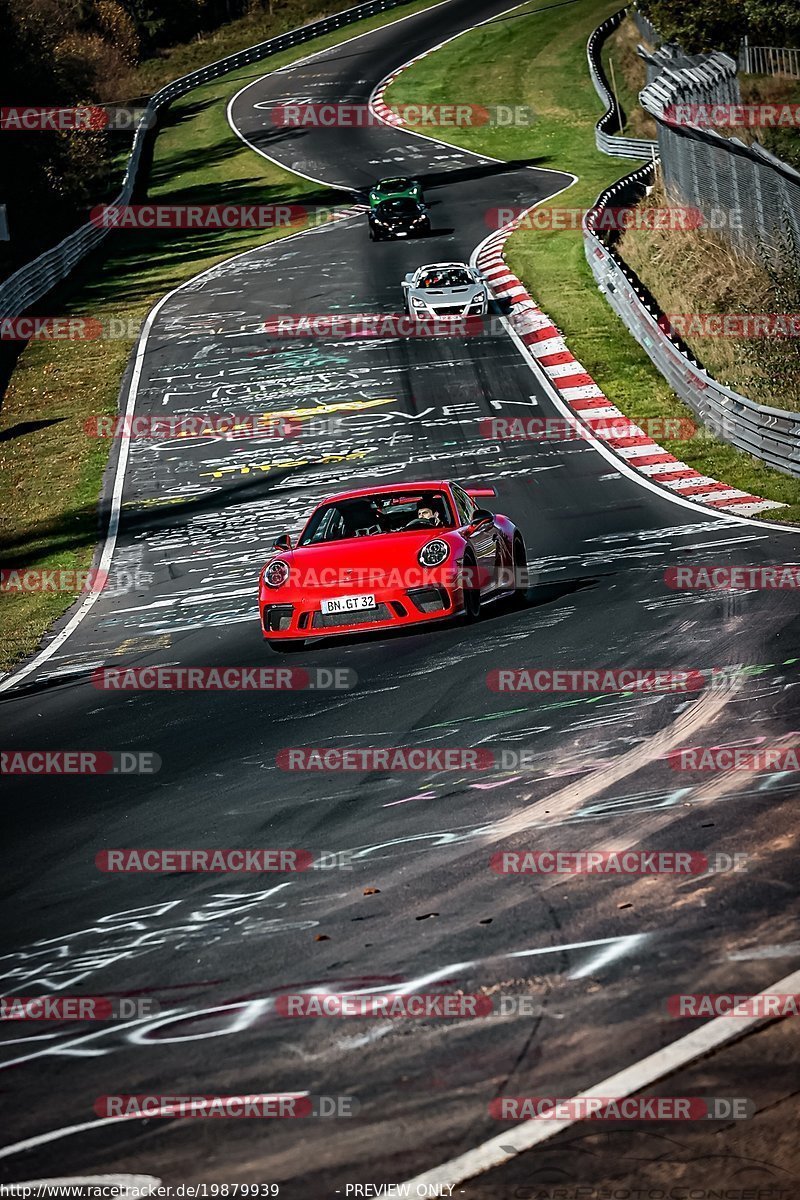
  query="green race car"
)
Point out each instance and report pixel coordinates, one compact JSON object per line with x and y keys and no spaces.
{"x":394,"y":189}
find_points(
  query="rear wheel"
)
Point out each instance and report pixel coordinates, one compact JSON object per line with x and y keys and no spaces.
{"x":472,"y":591}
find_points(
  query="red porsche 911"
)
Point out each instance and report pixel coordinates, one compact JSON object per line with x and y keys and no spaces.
{"x":387,"y":558}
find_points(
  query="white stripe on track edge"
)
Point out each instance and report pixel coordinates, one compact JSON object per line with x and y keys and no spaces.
{"x":10,"y":680}
{"x":55,"y":1135}
{"x":371,"y":104}
{"x":339,"y":187}
{"x":500,"y":237}
{"x":496,"y":1151}
{"x":619,"y":463}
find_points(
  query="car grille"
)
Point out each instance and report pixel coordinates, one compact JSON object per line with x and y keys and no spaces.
{"x":366,"y":616}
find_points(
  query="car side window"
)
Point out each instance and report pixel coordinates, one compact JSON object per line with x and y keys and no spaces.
{"x":330,"y":527}
{"x":464,"y":505}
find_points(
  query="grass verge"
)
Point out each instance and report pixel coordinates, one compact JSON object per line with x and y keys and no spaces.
{"x":536,"y":56}
{"x":50,"y":470}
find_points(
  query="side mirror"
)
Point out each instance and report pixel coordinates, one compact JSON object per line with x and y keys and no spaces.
{"x":282,"y":542}
{"x":480,"y":518}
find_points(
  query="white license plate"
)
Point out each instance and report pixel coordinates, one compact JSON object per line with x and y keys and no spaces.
{"x":345,"y":604}
{"x":402,"y":234}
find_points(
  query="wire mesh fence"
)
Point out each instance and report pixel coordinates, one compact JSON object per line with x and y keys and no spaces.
{"x":751,"y":197}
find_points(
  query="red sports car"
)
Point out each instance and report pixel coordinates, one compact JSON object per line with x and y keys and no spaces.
{"x":387,"y":557}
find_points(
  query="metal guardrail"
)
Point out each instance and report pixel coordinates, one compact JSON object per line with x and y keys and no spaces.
{"x":646,"y":28}
{"x":33,"y":280}
{"x":745,"y":192}
{"x":612,"y":118}
{"x":769,"y":434}
{"x":769,"y":60}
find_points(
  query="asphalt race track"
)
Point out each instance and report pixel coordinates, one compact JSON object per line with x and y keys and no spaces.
{"x":414,"y":905}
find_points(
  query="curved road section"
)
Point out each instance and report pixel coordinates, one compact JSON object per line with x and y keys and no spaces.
{"x":572,"y":972}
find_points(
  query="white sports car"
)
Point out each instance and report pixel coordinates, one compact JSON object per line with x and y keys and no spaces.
{"x":445,"y":290}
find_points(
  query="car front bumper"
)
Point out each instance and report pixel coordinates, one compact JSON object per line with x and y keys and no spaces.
{"x":297,"y":614}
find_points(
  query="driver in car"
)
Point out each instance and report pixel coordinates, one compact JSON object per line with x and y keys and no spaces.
{"x":426,"y":517}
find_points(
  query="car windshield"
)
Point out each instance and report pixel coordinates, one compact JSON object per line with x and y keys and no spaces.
{"x":447,"y":277}
{"x":381,"y":513}
{"x":402,"y":207}
{"x":393,"y":185}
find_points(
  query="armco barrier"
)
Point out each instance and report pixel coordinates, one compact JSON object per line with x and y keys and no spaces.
{"x":757,"y":194}
{"x":617,"y":147}
{"x":32,"y":281}
{"x":769,"y":434}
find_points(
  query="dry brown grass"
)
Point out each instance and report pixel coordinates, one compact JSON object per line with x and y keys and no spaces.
{"x":630,"y":77}
{"x":696,"y":271}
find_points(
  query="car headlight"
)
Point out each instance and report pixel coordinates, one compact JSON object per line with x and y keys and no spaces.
{"x":276,"y":573}
{"x":415,"y":300}
{"x":434,"y":553}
